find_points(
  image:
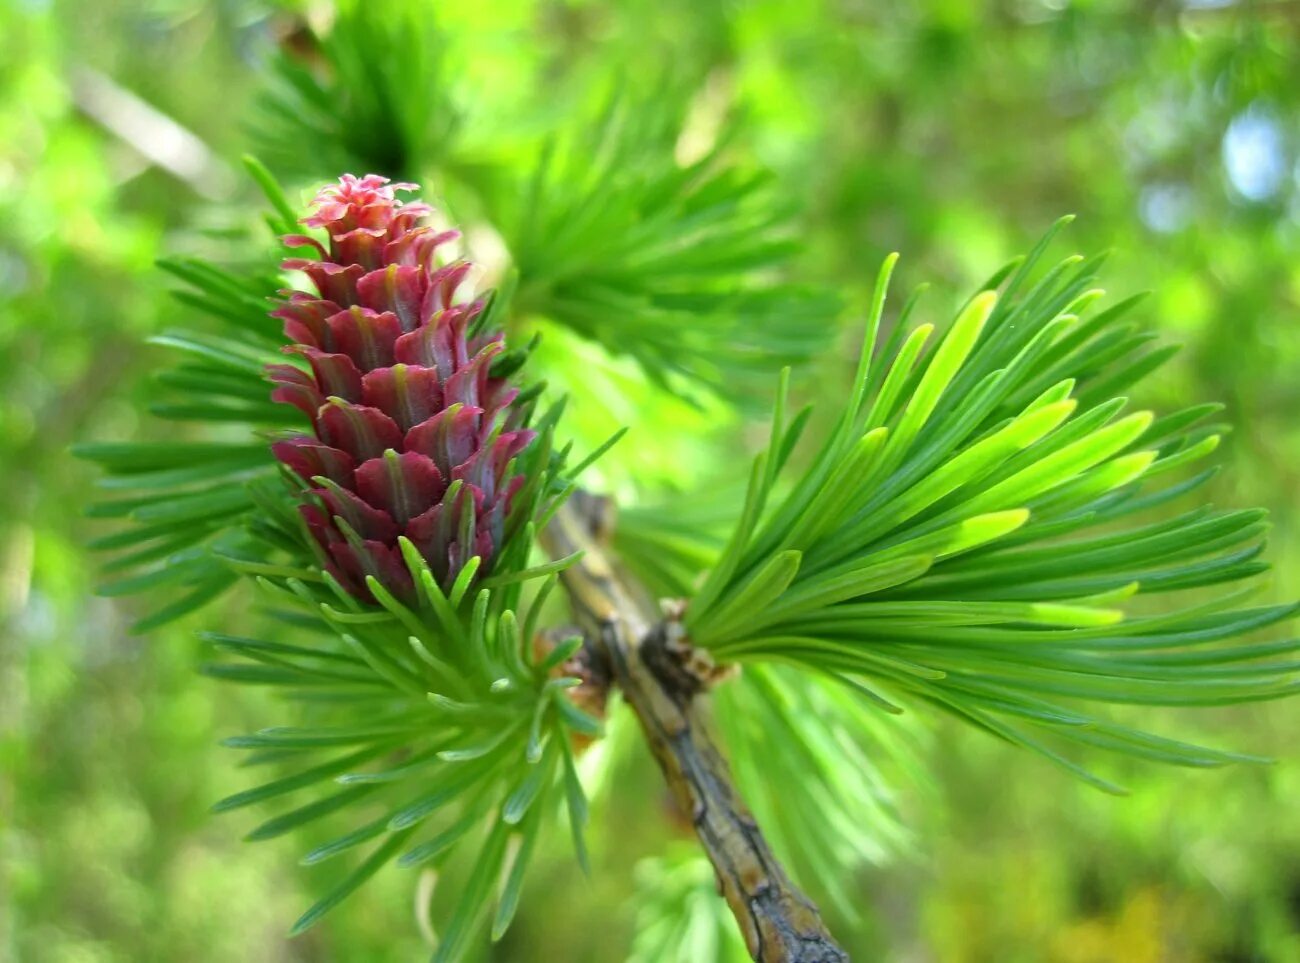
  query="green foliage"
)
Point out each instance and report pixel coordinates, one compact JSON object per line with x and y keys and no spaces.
{"x":826,"y":790}
{"x":967,"y":534}
{"x":428,"y":725}
{"x":188,"y":502}
{"x":668,"y":260}
{"x":680,"y":918}
{"x":372,"y":93}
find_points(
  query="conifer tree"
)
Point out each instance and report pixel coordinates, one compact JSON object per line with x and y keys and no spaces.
{"x":984,"y":528}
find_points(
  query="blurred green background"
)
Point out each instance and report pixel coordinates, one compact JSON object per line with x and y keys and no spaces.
{"x":953,"y":132}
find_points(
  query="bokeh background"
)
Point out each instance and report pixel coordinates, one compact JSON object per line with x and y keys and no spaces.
{"x":954,"y":132}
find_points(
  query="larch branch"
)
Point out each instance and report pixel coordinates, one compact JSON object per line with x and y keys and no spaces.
{"x":779,"y":923}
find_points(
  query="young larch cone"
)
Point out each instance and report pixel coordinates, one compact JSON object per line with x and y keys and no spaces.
{"x":412,"y":434}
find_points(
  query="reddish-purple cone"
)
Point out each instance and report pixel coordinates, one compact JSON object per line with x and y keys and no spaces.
{"x":408,"y":422}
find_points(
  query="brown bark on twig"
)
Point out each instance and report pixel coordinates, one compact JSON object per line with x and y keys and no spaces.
{"x":779,"y":923}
